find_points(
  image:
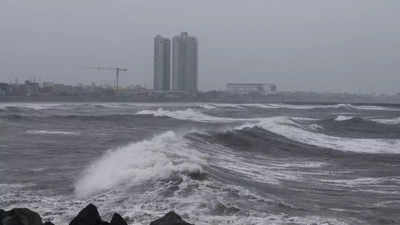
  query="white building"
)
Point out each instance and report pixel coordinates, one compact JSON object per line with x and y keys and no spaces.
{"x":248,"y":88}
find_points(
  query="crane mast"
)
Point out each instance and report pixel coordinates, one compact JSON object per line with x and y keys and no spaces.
{"x":117,"y":71}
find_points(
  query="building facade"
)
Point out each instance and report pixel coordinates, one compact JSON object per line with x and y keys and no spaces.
{"x":184,"y":63}
{"x":162,"y":63}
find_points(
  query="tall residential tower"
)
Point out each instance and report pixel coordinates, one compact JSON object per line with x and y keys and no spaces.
{"x":184,"y":63}
{"x":162,"y":63}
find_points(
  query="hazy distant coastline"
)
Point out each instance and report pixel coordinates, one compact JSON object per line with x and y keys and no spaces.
{"x":280,"y":98}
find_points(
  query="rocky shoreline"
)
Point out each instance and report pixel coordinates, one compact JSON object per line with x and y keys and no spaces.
{"x":87,"y":216}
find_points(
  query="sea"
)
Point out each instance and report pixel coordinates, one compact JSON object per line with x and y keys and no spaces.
{"x":244,"y":164}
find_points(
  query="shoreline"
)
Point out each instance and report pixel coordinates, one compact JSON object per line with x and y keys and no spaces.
{"x":267,"y":100}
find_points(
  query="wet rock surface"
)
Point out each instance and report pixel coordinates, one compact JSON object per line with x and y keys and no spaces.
{"x":20,"y":216}
{"x":87,"y":216}
{"x":170,"y":218}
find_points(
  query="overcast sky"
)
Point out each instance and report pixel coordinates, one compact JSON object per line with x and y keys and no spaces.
{"x":310,"y":45}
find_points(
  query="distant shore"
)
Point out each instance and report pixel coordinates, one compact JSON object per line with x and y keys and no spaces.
{"x":267,"y":99}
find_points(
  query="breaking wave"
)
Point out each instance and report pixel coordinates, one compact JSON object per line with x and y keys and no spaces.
{"x":288,"y":128}
{"x":139,"y":162}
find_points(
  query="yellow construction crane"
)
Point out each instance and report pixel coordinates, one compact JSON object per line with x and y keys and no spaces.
{"x":116,"y":69}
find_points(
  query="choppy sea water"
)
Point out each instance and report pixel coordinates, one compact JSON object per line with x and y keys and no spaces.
{"x":211,"y":163}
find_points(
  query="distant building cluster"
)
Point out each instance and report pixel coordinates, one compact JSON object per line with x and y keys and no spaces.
{"x":34,"y":89}
{"x":251,"y":88}
{"x":28,"y":88}
{"x":184,"y":63}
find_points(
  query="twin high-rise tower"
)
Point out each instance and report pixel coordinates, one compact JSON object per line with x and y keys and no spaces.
{"x":184,"y":63}
{"x":162,"y":63}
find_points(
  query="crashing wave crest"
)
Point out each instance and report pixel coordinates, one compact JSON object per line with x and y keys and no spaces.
{"x":290,"y":129}
{"x":139,"y":162}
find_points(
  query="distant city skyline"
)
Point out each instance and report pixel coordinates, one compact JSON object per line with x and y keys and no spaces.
{"x":322,"y":46}
{"x":184,"y":63}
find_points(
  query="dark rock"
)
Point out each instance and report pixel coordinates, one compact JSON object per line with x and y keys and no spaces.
{"x":170,"y":218}
{"x":87,"y":216}
{"x":20,"y":216}
{"x":117,"y":220}
{"x":48,"y":223}
{"x":1,"y":213}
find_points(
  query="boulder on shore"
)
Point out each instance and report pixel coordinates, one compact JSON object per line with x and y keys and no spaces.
{"x":1,"y":214}
{"x":87,"y":216}
{"x":170,"y":218}
{"x":48,"y":223}
{"x":117,"y":220}
{"x":20,"y":216}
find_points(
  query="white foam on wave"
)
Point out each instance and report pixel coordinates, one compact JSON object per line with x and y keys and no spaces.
{"x":254,"y":105}
{"x":208,"y":106}
{"x":34,"y":106}
{"x":337,"y":106}
{"x":376,"y":108}
{"x":343,"y":118}
{"x":187,"y":114}
{"x":315,"y":127}
{"x":53,"y":132}
{"x":309,"y":107}
{"x":392,"y":121}
{"x":139,"y":162}
{"x":289,"y":128}
{"x":308,"y":164}
{"x":363,"y":181}
{"x":301,"y":107}
{"x":226,"y":105}
{"x":286,"y":127}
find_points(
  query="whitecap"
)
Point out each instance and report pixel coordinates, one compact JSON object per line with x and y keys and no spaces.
{"x":34,"y":106}
{"x":53,"y":132}
{"x":315,"y":127}
{"x":392,"y":121}
{"x":286,"y":127}
{"x":343,"y":118}
{"x":187,"y":114}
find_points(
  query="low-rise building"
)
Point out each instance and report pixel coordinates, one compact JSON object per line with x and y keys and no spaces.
{"x":251,"y":88}
{"x":5,"y":89}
